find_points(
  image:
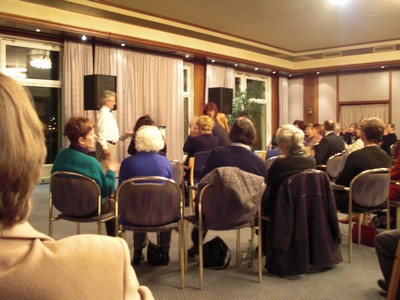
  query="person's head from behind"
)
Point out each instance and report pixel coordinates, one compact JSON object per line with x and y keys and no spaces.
{"x":109,"y":99}
{"x":80,"y":132}
{"x":211,"y":109}
{"x":290,"y":139}
{"x":22,"y":154}
{"x":372,"y":130}
{"x":149,"y":139}
{"x":243,"y":131}
{"x":317,"y":130}
{"x":205,"y":124}
{"x":143,"y":120}
{"x":329,"y":125}
{"x":299,"y":124}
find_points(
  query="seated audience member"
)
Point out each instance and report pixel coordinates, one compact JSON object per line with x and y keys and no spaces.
{"x":290,"y":141}
{"x":389,"y":138}
{"x":369,"y":157}
{"x":147,"y":162}
{"x":75,"y":158}
{"x":329,"y":145}
{"x":358,"y":142}
{"x":386,"y":246}
{"x":32,"y":264}
{"x":204,"y":141}
{"x":300,"y":124}
{"x":308,"y":136}
{"x":317,"y":132}
{"x":143,"y":120}
{"x":193,"y":130}
{"x":221,"y":128}
{"x":238,"y":154}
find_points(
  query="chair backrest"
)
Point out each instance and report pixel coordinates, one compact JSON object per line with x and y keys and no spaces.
{"x":149,"y":201}
{"x":393,"y":150}
{"x":230,"y":196}
{"x":335,"y":164}
{"x":74,"y":194}
{"x":370,"y":188}
{"x":270,"y":161}
{"x":178,"y":171}
{"x":196,"y":164}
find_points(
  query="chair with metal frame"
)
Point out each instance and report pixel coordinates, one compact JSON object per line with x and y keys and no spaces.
{"x":195,"y":166}
{"x":368,"y":192}
{"x":77,"y":197}
{"x":223,"y":207}
{"x":152,"y":204}
{"x":335,"y":165}
{"x":270,"y":161}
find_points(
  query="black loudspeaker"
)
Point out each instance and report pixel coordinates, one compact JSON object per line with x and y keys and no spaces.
{"x":94,"y":85}
{"x":222,"y":97}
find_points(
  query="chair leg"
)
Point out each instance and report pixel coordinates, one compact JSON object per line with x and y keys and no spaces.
{"x":181,"y":254}
{"x":201,"y":256}
{"x":78,"y":228}
{"x":350,"y":239}
{"x":260,"y":245}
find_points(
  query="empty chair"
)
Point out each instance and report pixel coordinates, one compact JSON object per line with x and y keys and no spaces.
{"x":77,"y":197}
{"x":303,"y":230}
{"x":229,"y":199}
{"x":368,"y":192}
{"x":152,"y":204}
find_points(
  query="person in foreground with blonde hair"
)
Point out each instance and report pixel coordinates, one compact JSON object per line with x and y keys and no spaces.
{"x":33,"y":265}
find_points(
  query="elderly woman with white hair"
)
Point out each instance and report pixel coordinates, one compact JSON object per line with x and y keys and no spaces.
{"x":290,"y":141}
{"x":147,"y":162}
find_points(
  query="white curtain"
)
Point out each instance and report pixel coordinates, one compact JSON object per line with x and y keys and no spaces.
{"x":77,"y":62}
{"x":283,"y":101}
{"x":218,"y":76}
{"x":355,"y":113}
{"x":146,"y":84}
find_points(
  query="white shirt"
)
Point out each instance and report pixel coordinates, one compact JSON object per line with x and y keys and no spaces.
{"x":107,"y":128}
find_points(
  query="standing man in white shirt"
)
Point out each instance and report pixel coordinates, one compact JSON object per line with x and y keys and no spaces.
{"x":107,"y":130}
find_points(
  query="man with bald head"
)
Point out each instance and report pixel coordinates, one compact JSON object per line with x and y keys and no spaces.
{"x":329,"y":145}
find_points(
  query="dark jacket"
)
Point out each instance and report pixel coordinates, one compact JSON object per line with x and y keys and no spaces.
{"x":304,"y":228}
{"x":328,"y":146}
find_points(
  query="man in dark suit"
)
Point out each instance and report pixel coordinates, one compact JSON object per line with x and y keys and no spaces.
{"x":329,"y":145}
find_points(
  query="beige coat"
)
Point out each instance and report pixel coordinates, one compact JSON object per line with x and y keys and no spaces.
{"x":34,"y":266}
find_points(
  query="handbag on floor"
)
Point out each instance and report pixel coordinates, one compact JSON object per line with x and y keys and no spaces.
{"x":216,"y":254}
{"x":368,"y":233}
{"x":154,"y":252}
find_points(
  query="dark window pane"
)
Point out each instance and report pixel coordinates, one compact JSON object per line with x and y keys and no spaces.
{"x":32,"y":63}
{"x":46,"y":101}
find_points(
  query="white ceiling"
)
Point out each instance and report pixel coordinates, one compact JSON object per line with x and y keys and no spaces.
{"x":292,"y":25}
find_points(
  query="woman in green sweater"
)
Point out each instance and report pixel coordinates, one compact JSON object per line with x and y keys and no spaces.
{"x":80,"y":133}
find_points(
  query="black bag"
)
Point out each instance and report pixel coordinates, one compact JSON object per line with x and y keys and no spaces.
{"x":216,"y":254}
{"x":154,"y":253}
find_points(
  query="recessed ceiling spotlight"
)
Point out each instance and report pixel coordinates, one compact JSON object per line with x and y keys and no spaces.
{"x":122,"y":45}
{"x":290,"y":75}
{"x":317,"y":73}
{"x":37,"y":30}
{"x":255,"y":69}
{"x":187,"y":55}
{"x":236,"y":65}
{"x":213,"y":61}
{"x":84,"y":38}
{"x":273,"y":72}
{"x":382,"y":67}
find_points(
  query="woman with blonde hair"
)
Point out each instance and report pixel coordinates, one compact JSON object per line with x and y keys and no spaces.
{"x":77,"y":267}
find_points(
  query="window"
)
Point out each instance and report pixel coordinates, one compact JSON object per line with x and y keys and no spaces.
{"x":37,"y":67}
{"x":259,"y":90}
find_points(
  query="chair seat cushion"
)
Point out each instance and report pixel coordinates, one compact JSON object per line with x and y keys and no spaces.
{"x":153,"y":228}
{"x":109,"y":215}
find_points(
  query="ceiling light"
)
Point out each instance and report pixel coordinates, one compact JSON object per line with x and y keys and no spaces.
{"x":255,"y":69}
{"x":84,"y":38}
{"x":122,"y":45}
{"x":40,"y":59}
{"x":290,"y":75}
{"x":236,"y":65}
{"x":37,"y":30}
{"x":382,"y":67}
{"x":213,"y":61}
{"x":187,"y":55}
{"x":317,"y":73}
{"x":273,"y":72}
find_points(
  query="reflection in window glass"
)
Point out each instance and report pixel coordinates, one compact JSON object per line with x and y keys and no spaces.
{"x":46,"y":101}
{"x":23,"y":62}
